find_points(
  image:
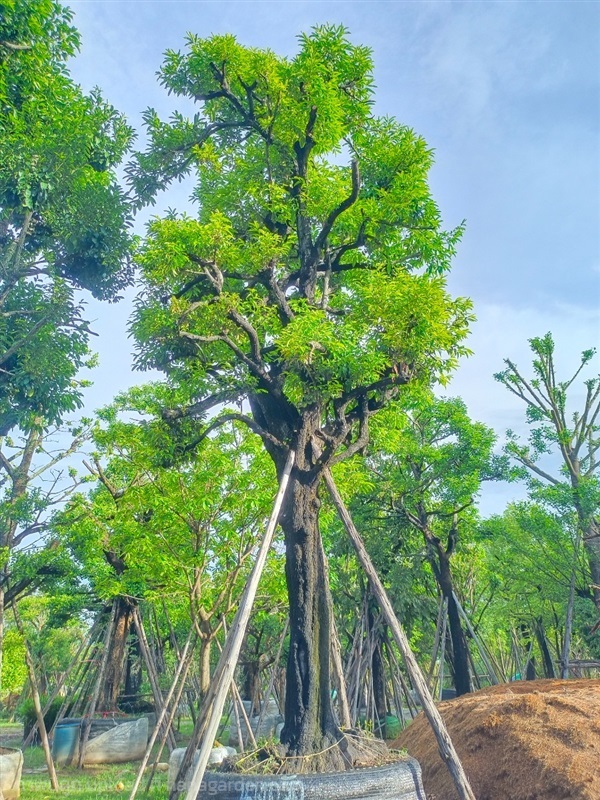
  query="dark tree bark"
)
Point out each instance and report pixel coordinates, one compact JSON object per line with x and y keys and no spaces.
{"x":530,"y":668}
{"x":439,"y":558}
{"x":309,"y":720}
{"x":115,"y":666}
{"x":540,"y":635}
{"x":378,"y":671}
{"x":133,"y":673}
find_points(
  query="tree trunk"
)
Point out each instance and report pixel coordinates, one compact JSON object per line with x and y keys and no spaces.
{"x":204,"y":674}
{"x":251,"y":681}
{"x":591,"y":542}
{"x":530,"y":671}
{"x":540,"y":635}
{"x":309,"y":720}
{"x":378,"y":670}
{"x":133,"y":673}
{"x":460,"y":651}
{"x":116,"y":658}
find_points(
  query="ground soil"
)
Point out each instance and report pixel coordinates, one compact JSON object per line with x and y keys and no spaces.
{"x":528,"y":740}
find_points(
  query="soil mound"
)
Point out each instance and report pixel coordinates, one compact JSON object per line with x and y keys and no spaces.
{"x":528,"y":740}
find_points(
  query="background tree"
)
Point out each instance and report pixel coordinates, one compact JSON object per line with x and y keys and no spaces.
{"x":63,"y":225}
{"x":147,"y":529}
{"x":310,"y":285}
{"x":431,"y":463}
{"x":573,"y":436}
{"x":530,"y":550}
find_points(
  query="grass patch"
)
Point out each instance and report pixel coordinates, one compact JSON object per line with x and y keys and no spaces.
{"x":91,"y":783}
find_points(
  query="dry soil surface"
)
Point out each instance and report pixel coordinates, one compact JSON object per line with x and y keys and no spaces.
{"x":528,"y":740}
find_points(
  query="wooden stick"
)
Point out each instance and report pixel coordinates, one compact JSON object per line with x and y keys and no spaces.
{"x":436,"y":642}
{"x":175,"y":645}
{"x":215,"y":700}
{"x":180,"y":666}
{"x":36,"y":702}
{"x":443,"y":641}
{"x":87,"y":723}
{"x":238,"y":705}
{"x":445,"y":746}
{"x":340,"y":681}
{"x":484,"y":656}
{"x":170,"y":718}
{"x":152,"y":674}
{"x":73,"y":667}
{"x":238,"y":723}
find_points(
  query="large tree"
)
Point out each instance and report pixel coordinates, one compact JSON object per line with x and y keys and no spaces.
{"x":309,"y":286}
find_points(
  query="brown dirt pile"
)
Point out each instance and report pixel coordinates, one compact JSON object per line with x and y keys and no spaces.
{"x":528,"y":740}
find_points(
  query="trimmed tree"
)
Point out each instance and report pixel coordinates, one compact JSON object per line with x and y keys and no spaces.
{"x":309,"y":287}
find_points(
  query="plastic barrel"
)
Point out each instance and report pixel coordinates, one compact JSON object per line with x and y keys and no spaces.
{"x":66,"y":740}
{"x":393,"y":727}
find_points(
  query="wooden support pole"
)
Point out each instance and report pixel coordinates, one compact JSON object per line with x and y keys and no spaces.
{"x":170,"y":718}
{"x":163,"y":712}
{"x":238,"y":705}
{"x":208,"y":721}
{"x":339,"y":679}
{"x":442,"y":610}
{"x":152,"y":674}
{"x":73,"y":667}
{"x":443,"y":642}
{"x":484,"y":655}
{"x":36,"y":702}
{"x":566,"y":648}
{"x":87,"y":722}
{"x":445,"y":746}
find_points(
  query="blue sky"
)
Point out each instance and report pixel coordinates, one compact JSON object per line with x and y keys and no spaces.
{"x":505,"y":92}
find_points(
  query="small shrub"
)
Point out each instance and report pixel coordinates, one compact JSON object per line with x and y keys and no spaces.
{"x":26,"y":713}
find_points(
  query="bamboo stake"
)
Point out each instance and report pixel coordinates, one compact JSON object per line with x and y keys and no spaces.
{"x":484,"y":656}
{"x":446,"y":748}
{"x":176,"y":648}
{"x":36,"y":702}
{"x":238,"y":705}
{"x":338,"y":671}
{"x":163,"y":712}
{"x":73,"y":667}
{"x":215,"y":700}
{"x":444,"y":640}
{"x":566,"y":650}
{"x":436,"y":642}
{"x":87,"y":724}
{"x":170,"y":719}
{"x":152,"y":674}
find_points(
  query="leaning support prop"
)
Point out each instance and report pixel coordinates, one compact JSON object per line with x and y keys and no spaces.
{"x":446,"y":748}
{"x":208,"y":723}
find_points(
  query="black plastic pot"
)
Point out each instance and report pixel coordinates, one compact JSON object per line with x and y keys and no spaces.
{"x":398,"y":781}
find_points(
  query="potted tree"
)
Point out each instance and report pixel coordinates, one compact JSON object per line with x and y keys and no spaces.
{"x":309,"y":288}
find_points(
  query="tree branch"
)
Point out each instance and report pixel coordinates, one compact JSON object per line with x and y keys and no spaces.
{"x":343,"y":206}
